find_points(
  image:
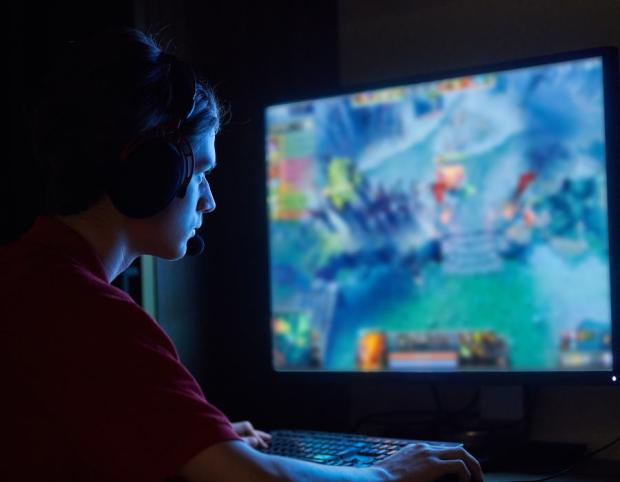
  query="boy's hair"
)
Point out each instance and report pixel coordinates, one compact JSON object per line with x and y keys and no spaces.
{"x":102,"y":95}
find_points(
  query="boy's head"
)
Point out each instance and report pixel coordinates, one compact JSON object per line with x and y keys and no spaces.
{"x":121,"y":120}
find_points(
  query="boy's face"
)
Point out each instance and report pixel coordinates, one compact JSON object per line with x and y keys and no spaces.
{"x":166,"y":234}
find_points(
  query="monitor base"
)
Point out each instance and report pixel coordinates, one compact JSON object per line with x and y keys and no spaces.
{"x":506,"y":453}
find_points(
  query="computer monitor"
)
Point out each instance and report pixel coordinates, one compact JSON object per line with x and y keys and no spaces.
{"x":456,"y":226}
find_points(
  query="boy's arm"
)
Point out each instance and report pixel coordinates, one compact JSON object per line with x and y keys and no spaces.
{"x":237,"y":462}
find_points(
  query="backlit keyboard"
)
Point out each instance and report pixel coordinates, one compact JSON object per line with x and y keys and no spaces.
{"x":339,"y":448}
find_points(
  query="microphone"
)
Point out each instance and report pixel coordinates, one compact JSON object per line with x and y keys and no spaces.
{"x":195,"y":246}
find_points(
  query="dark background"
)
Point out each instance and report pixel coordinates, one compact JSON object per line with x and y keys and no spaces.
{"x":252,"y":52}
{"x":215,"y":306}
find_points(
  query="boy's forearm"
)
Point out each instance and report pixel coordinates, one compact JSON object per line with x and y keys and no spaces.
{"x":292,"y":470}
{"x":235,"y":461}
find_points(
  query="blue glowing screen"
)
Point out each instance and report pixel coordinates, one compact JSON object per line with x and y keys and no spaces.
{"x":459,"y":224}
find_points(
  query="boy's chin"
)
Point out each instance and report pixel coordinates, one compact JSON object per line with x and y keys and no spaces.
{"x":172,"y":253}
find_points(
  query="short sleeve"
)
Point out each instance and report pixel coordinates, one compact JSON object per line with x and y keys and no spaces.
{"x":131,"y":407}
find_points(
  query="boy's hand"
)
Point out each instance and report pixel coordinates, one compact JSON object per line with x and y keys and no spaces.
{"x":254,"y":438}
{"x":423,"y":463}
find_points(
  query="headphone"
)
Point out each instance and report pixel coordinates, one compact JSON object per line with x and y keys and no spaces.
{"x":155,"y":167}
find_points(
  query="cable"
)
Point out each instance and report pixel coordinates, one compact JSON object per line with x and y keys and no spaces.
{"x":451,"y":417}
{"x":571,"y":467}
{"x":440,"y":409}
{"x":438,"y":415}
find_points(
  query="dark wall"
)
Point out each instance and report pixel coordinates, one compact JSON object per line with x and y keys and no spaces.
{"x":402,"y":38}
{"x":39,"y":31}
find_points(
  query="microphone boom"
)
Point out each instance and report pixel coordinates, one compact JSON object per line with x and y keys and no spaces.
{"x":195,"y":246}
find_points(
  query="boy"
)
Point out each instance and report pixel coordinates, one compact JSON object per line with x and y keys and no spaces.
{"x":125,"y":133}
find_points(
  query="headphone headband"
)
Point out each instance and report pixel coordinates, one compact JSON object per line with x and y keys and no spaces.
{"x":160,"y":163}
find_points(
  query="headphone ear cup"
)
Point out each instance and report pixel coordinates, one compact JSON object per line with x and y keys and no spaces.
{"x":147,"y":180}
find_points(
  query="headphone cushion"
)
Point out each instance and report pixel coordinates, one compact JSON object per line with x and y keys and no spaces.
{"x":146,"y":181}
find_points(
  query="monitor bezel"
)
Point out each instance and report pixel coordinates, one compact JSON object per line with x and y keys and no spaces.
{"x":609,"y":57}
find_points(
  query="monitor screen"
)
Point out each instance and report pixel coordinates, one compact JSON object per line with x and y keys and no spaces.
{"x":457,"y":224}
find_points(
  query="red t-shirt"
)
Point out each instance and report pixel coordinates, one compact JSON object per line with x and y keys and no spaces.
{"x":92,"y":387}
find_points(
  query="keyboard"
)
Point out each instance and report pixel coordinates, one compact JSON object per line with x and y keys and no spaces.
{"x":339,"y":448}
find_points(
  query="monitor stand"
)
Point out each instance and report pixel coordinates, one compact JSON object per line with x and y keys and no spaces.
{"x":502,"y":439}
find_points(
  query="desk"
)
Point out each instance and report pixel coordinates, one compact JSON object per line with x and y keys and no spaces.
{"x":513,"y":476}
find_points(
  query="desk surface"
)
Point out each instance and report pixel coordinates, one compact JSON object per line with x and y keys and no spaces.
{"x":514,"y":477}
